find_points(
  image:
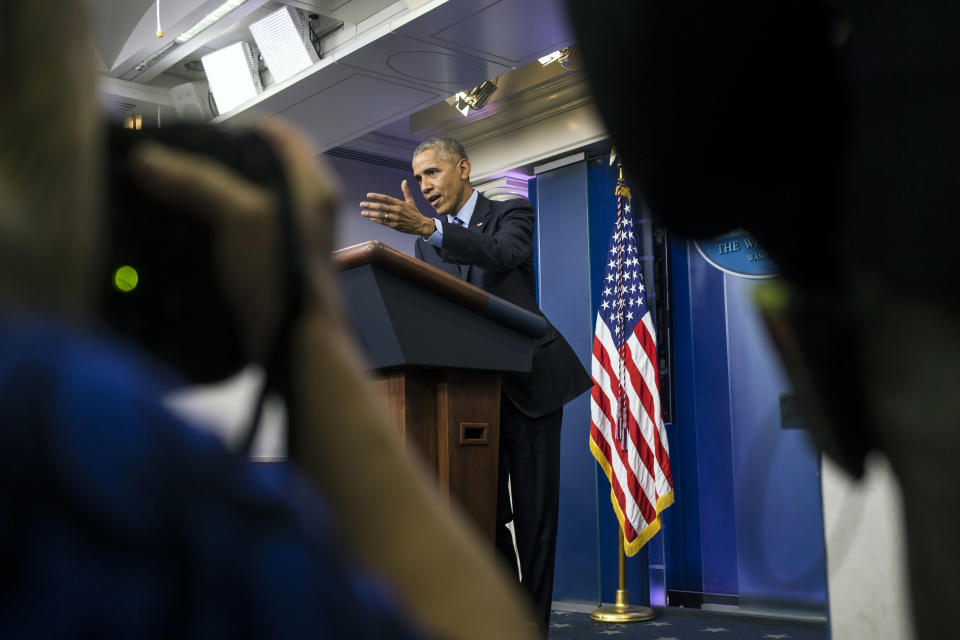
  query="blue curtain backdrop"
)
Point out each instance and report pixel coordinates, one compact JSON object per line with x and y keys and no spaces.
{"x":747,"y":521}
{"x":564,"y":291}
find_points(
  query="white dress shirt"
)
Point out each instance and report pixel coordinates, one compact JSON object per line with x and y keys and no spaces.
{"x":464,"y":215}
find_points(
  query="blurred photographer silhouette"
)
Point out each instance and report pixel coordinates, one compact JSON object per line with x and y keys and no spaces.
{"x":828,"y":130}
{"x":119,"y":520}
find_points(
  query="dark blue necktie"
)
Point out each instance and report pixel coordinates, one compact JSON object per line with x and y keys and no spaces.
{"x":460,"y":223}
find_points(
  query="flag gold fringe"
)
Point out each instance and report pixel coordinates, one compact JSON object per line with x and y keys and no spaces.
{"x":631,"y":547}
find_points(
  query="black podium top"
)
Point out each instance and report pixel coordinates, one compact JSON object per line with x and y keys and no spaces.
{"x":408,"y":313}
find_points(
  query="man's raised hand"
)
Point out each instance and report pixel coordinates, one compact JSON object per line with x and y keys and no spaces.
{"x":402,"y":215}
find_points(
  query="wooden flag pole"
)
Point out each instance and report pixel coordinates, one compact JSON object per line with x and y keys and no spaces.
{"x":622,"y":610}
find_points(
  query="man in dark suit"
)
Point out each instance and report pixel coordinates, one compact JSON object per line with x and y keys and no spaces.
{"x":490,"y":244}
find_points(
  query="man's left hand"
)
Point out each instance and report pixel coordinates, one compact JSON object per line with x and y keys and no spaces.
{"x":402,"y":215}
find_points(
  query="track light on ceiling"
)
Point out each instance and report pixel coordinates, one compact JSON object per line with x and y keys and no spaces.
{"x":567,"y":58}
{"x":550,"y":57}
{"x":475,"y":98}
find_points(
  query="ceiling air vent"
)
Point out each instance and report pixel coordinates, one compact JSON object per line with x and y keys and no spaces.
{"x":370,"y":158}
{"x":116,"y":107}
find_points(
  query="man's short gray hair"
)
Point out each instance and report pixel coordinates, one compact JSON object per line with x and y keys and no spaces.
{"x":447,"y":145}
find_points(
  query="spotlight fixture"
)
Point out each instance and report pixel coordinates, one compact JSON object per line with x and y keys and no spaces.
{"x":475,"y":98}
{"x":284,"y":42}
{"x":233,"y":76}
{"x":551,"y":57}
{"x":567,"y":57}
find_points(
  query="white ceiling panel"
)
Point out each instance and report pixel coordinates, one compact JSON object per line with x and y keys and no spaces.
{"x":230,"y":29}
{"x":352,"y":11}
{"x":405,"y":56}
{"x":512,"y":32}
{"x":323,"y":6}
{"x":121,"y":27}
{"x":176,"y":16}
{"x":354,"y":106}
{"x":422,"y":63}
{"x":277,"y":99}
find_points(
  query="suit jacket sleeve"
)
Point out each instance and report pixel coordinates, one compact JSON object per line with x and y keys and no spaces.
{"x":417,"y":251}
{"x":508,"y":246}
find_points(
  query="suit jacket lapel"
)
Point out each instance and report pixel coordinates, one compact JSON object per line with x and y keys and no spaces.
{"x":479,"y":223}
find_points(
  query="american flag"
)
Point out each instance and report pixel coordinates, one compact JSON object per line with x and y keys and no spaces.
{"x":627,"y":436}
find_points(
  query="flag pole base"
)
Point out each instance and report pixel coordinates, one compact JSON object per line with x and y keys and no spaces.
{"x":622,"y":611}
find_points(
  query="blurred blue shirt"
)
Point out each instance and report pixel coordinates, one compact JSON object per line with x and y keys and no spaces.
{"x":117,"y":520}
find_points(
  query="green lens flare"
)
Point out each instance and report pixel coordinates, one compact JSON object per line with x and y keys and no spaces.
{"x":125,"y":278}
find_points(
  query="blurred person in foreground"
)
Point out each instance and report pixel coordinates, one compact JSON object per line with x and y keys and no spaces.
{"x":119,"y":520}
{"x":828,"y":130}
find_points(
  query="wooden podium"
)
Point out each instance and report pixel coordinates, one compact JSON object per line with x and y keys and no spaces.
{"x":437,"y":346}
